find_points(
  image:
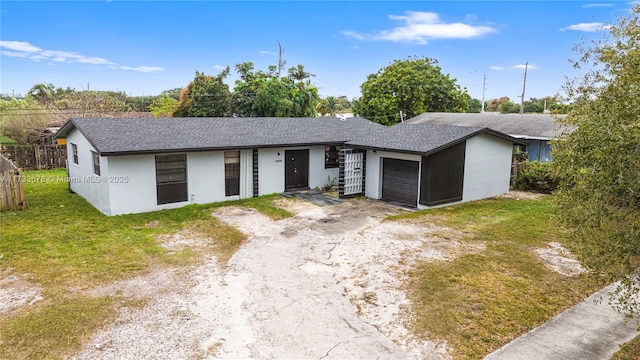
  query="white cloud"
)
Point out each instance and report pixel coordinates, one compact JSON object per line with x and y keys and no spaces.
{"x":265,"y":52}
{"x":144,"y":69}
{"x":420,"y":27}
{"x":21,"y":49}
{"x":19,"y":46}
{"x":523,"y":66}
{"x":496,"y":68}
{"x":597,"y":5}
{"x":588,"y":27}
{"x":219,"y":67}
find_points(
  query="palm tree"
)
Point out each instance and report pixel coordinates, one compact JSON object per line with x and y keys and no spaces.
{"x":43,"y":93}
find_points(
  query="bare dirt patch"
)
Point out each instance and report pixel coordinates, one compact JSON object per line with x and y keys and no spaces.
{"x":16,"y":292}
{"x":559,"y":259}
{"x":185,"y":238}
{"x":295,"y":206}
{"x":326,"y":283}
{"x":522,"y":195}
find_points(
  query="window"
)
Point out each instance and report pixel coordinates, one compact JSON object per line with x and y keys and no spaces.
{"x":331,"y":156}
{"x":171,"y":178}
{"x":231,"y":173}
{"x":74,"y":149}
{"x":96,"y":162}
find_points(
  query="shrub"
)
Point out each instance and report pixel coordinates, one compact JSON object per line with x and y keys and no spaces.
{"x":536,"y":176}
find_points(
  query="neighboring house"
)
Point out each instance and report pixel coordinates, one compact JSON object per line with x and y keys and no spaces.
{"x":138,"y":165}
{"x":535,"y":130}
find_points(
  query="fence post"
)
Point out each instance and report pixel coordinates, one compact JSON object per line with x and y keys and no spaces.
{"x":23,"y":196}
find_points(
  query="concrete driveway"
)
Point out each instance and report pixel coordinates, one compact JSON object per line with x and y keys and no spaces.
{"x":326,"y":283}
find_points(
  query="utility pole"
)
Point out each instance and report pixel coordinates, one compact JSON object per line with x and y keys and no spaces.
{"x":484,"y":82}
{"x":524,"y":85}
{"x":281,"y":62}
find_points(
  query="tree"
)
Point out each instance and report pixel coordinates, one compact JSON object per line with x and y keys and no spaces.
{"x":42,"y":93}
{"x":328,"y":105}
{"x":205,"y":96}
{"x":163,"y":106}
{"x":413,"y":86}
{"x":508,"y":107}
{"x":474,"y":105}
{"x":599,"y":162}
{"x":266,"y":94}
{"x":22,"y":120}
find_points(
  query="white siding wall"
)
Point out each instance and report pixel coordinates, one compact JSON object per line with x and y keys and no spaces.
{"x":205,"y":179}
{"x":138,"y":193}
{"x":487,"y":167}
{"x":95,"y":189}
{"x":373,"y":182}
{"x":271,"y":169}
{"x":318,"y":175}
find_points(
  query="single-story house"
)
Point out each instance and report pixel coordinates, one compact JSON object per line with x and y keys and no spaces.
{"x":535,"y":130}
{"x":129,"y":165}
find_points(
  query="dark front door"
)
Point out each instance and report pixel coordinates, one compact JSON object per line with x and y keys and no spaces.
{"x":400,"y":181}
{"x":296,"y":169}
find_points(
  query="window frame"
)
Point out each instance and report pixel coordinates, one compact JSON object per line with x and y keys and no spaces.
{"x":231,"y":173}
{"x":169,"y":190}
{"x":96,"y":162}
{"x":74,"y":153}
{"x":329,"y":163}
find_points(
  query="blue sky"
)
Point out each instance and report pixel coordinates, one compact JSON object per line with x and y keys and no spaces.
{"x":144,"y":47}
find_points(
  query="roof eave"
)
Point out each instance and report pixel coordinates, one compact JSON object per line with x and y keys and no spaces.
{"x":217,"y":148}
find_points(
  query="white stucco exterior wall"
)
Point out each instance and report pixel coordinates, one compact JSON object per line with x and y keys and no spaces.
{"x":138,"y":192}
{"x":487,"y":167}
{"x":271,"y":169}
{"x":373,"y":182}
{"x":318,"y":175}
{"x":82,"y":180}
{"x":205,"y":181}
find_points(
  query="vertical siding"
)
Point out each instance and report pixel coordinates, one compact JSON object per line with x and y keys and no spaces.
{"x":246,"y":174}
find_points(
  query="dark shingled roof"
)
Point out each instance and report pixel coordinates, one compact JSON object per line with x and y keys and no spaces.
{"x":127,"y":135}
{"x":120,"y":136}
{"x":535,"y":126}
{"x":421,"y":139}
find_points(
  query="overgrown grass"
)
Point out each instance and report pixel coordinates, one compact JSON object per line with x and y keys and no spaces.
{"x":63,"y":243}
{"x":480,"y":301}
{"x":628,"y":351}
{"x":49,"y":331}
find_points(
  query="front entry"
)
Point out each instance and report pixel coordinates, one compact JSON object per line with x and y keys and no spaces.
{"x":296,"y":169}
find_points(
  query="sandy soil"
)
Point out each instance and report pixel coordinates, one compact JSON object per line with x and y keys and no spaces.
{"x":326,"y":283}
{"x":559,"y":259}
{"x":16,"y":292}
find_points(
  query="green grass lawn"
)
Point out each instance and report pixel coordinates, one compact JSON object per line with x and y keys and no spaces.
{"x":479,"y":301}
{"x":63,"y":243}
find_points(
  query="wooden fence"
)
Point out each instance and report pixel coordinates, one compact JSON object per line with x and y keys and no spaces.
{"x":12,"y":196}
{"x":36,"y":157}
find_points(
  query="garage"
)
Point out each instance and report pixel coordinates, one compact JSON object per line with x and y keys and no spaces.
{"x":400,"y":181}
